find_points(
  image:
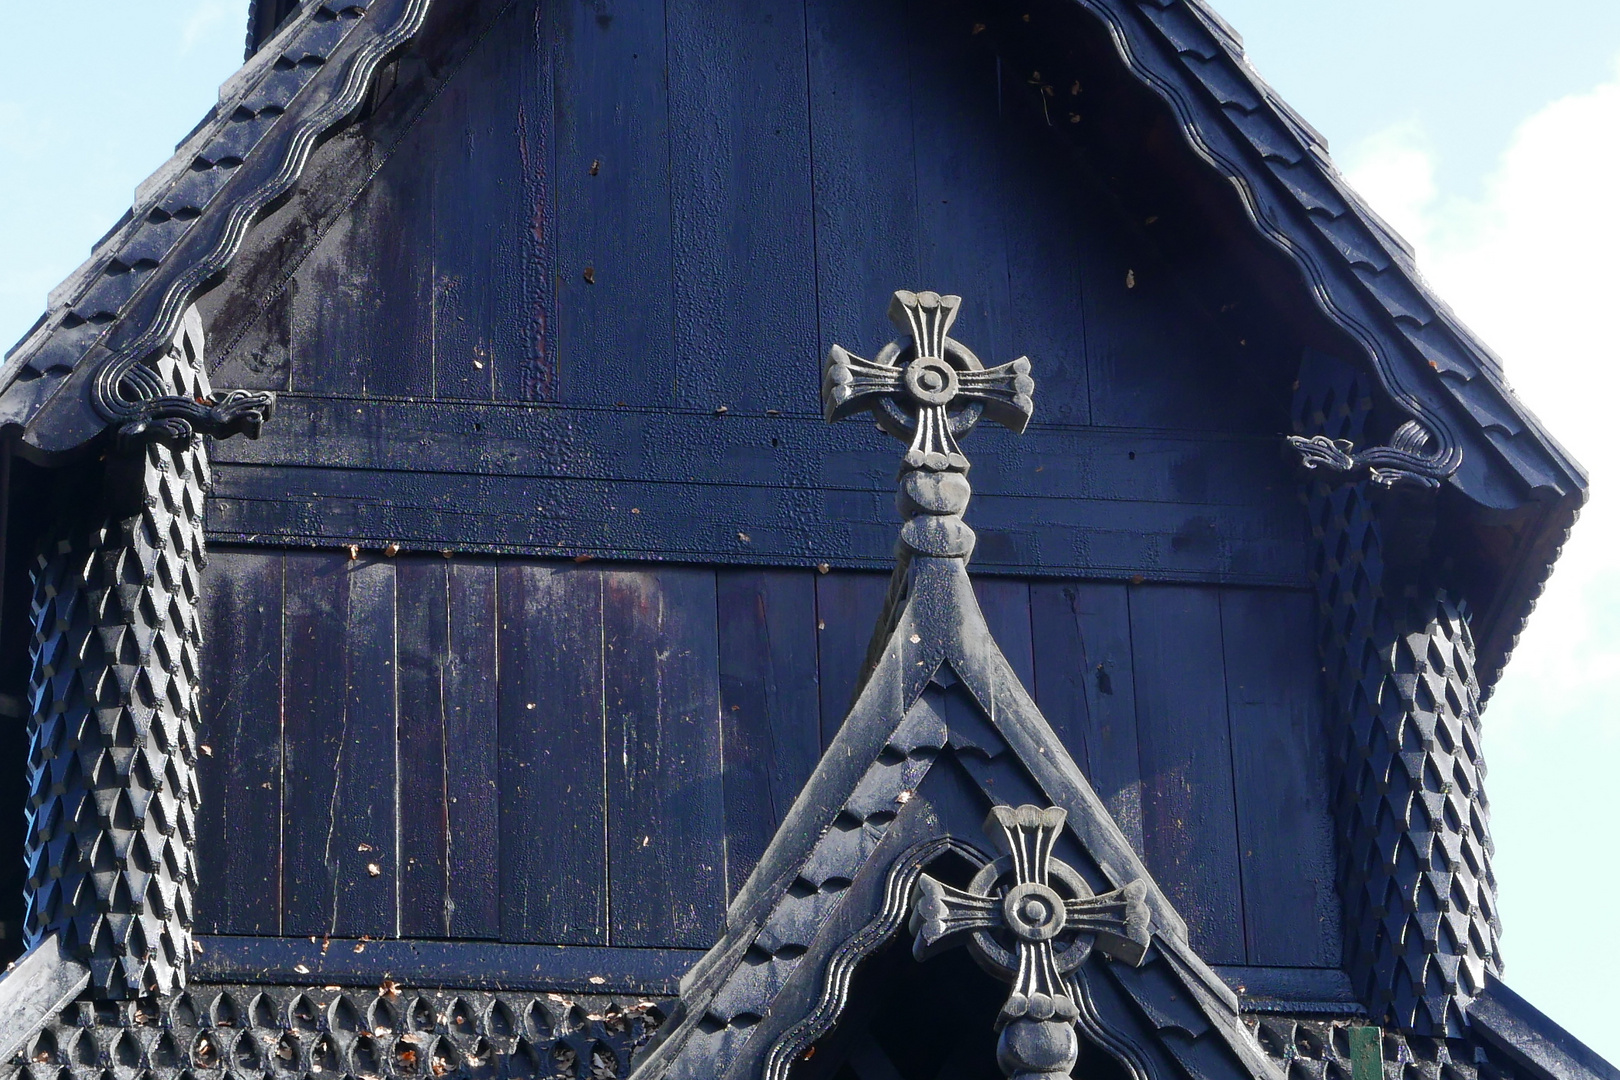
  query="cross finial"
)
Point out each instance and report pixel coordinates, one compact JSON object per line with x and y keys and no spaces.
{"x":929,"y":389}
{"x":1032,"y":919}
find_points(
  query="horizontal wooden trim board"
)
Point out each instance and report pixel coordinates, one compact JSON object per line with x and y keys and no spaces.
{"x":749,"y":490}
{"x":1292,"y":989}
{"x":465,"y":965}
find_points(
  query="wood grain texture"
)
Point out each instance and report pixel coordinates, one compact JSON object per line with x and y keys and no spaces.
{"x":1280,"y":767}
{"x":615,"y":328}
{"x":492,"y":218}
{"x":424,"y":798}
{"x":553,"y":812}
{"x":341,"y":867}
{"x":862,"y":168}
{"x":448,"y":750}
{"x":1085,"y":685}
{"x":240,"y":774}
{"x":769,"y":712}
{"x":1005,"y":603}
{"x":959,"y":155}
{"x":847,"y":606}
{"x":362,"y":316}
{"x":1189,"y":817}
{"x":666,"y":805}
{"x":1066,"y":501}
{"x":740,"y":196}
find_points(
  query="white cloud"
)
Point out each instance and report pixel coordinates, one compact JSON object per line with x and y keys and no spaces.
{"x":202,"y":20}
{"x":1530,"y":266}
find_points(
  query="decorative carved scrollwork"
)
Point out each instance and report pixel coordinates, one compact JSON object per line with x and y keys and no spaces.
{"x":141,"y":406}
{"x":1406,"y":461}
{"x":1032,"y":920}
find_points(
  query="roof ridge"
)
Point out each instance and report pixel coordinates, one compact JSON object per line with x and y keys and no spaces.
{"x":191,"y":214}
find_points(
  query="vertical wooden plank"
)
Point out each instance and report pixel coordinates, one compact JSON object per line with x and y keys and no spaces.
{"x":1005,"y":603}
{"x":1044,"y":258}
{"x":1084,"y":685}
{"x":847,"y":607}
{"x":741,"y":200}
{"x":960,"y":161}
{"x":473,"y":758}
{"x":553,"y":823}
{"x":666,"y":807}
{"x":615,"y":321}
{"x":1189,"y":820}
{"x":340,"y":816}
{"x":362,"y":316}
{"x":1279,"y":759}
{"x":424,"y":801}
{"x":449,"y":755}
{"x":769,"y":716}
{"x":492,"y":282}
{"x":863,"y":167}
{"x":1155,"y":357}
{"x":239,"y":823}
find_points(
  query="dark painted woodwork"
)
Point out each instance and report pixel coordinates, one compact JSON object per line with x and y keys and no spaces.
{"x":706,"y":695}
{"x":1005,"y":603}
{"x":740,"y":188}
{"x":365,"y":298}
{"x":610,"y":119}
{"x":240,"y":826}
{"x":847,"y":607}
{"x":1280,"y":778}
{"x":858,"y":61}
{"x":1085,"y":684}
{"x":666,"y":808}
{"x":553,"y":750}
{"x":454,"y":965}
{"x":770,"y":718}
{"x":1066,"y":500}
{"x":493,"y":293}
{"x":639,"y":209}
{"x":448,"y":751}
{"x":743,"y":184}
{"x":340,"y":803}
{"x":1189,"y":816}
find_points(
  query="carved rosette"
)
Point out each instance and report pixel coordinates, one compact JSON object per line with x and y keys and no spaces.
{"x":929,"y":390}
{"x":1420,"y":918}
{"x":113,"y":697}
{"x":1032,"y":920}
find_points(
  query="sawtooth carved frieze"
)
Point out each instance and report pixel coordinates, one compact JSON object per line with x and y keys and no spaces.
{"x":335,"y":1033}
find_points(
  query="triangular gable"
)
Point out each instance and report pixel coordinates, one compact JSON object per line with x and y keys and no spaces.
{"x":941,"y":730}
{"x":190,"y":219}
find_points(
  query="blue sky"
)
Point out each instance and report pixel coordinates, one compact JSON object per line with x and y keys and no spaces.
{"x":1487,"y":133}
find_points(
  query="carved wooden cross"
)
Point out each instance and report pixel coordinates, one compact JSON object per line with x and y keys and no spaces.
{"x":930,"y":389}
{"x":1032,"y":920}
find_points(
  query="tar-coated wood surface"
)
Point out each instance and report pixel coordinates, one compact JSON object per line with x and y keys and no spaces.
{"x":564,"y":290}
{"x":592,"y":754}
{"x":589,"y":286}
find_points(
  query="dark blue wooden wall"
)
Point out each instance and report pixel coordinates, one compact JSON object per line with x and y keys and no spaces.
{"x":609,"y":222}
{"x":525,"y":751}
{"x":591,"y":287}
